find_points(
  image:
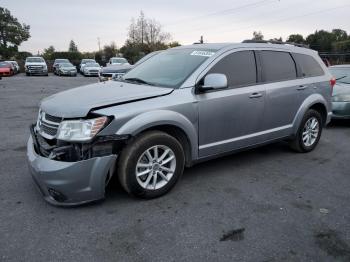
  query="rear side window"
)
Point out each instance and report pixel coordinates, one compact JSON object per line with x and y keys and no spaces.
{"x":277,"y":66}
{"x":239,"y":68}
{"x":308,"y":65}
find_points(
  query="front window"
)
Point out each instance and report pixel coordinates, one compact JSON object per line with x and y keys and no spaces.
{"x":169,"y":68}
{"x":118,"y":60}
{"x":66,"y":65}
{"x":35,"y":60}
{"x":92,"y":65}
{"x":342,"y":74}
{"x":4,"y":65}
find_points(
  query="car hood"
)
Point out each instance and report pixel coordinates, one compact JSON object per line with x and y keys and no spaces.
{"x":35,"y":63}
{"x":341,"y":88}
{"x":93,"y":68}
{"x":116,"y":68}
{"x":78,"y":102}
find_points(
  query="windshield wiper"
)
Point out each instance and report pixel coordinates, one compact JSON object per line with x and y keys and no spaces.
{"x":340,"y":78}
{"x":138,"y":80}
{"x":344,"y":82}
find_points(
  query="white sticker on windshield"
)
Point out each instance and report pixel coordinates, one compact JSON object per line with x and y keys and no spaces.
{"x":203,"y":53}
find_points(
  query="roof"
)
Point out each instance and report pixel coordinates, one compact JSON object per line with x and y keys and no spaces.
{"x":219,"y":46}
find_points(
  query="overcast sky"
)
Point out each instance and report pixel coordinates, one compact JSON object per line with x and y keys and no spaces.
{"x":57,"y":22}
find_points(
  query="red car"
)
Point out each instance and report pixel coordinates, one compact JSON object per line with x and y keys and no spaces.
{"x":6,"y":69}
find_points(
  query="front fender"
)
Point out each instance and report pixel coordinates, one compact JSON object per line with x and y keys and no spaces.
{"x":151,"y":119}
{"x":308,"y":103}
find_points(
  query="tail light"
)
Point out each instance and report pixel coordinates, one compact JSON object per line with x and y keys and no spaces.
{"x":333,"y":81}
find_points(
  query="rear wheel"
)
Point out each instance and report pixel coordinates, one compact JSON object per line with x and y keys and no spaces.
{"x":309,"y":132}
{"x":151,"y":165}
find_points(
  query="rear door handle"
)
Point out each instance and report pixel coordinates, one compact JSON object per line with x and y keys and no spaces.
{"x":255,"y":95}
{"x":302,"y":87}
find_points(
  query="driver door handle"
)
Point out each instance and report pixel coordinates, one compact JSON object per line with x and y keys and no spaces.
{"x":255,"y":95}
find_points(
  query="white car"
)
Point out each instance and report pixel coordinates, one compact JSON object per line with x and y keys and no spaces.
{"x":35,"y":65}
{"x":117,"y":61}
{"x":91,"y":69}
{"x":83,"y":64}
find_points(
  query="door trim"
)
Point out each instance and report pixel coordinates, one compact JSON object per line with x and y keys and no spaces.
{"x":245,"y":136}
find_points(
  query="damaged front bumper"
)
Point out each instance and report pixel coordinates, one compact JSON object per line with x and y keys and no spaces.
{"x":69,"y":183}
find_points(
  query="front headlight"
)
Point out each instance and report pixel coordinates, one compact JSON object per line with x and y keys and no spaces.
{"x":341,"y":98}
{"x":80,"y":130}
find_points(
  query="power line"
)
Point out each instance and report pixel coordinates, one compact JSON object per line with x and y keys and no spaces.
{"x":241,"y":21}
{"x":221,"y":12}
{"x":288,"y":18}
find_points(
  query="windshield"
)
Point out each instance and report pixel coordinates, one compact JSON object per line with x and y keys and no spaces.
{"x":35,"y":60}
{"x":118,"y":60}
{"x":61,"y":61}
{"x":4,"y":64}
{"x":92,"y":65}
{"x":88,"y":61}
{"x":169,"y":68}
{"x":343,"y":73}
{"x":66,"y":65}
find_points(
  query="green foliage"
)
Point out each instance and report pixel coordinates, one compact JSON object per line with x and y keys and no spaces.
{"x":258,"y":36}
{"x":12,"y":33}
{"x":296,"y":38}
{"x":49,"y":53}
{"x":72,"y":47}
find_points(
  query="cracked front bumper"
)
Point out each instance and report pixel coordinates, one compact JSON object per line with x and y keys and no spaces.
{"x":70,"y":183}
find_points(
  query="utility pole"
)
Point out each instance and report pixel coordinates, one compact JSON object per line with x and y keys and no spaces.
{"x":99,"y":44}
{"x":142,"y":30}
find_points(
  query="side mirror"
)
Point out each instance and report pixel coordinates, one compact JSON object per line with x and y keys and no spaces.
{"x":214,"y":81}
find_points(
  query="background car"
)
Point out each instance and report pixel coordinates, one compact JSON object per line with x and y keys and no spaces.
{"x":117,"y":61}
{"x":66,"y":69}
{"x":15,"y":66}
{"x":35,"y":65}
{"x":56,"y":64}
{"x":341,"y":92}
{"x":117,"y":71}
{"x":91,"y":69}
{"x":83,"y":63}
{"x":6,"y":69}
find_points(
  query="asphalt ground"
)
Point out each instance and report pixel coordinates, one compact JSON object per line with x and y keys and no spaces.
{"x":266,"y":204}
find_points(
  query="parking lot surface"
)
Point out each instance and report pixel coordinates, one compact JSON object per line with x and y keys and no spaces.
{"x":266,"y":204}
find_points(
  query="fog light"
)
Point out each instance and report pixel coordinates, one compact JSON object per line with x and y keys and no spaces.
{"x":58,"y":196}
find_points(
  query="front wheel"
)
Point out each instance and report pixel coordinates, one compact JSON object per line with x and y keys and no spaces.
{"x":309,"y":132}
{"x":151,"y":165}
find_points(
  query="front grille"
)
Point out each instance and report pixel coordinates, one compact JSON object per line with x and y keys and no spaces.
{"x":48,"y":125}
{"x":53,"y":118}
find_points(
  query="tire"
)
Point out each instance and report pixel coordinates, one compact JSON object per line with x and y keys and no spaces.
{"x":135,"y":152}
{"x":298,"y":144}
{"x":27,"y":74}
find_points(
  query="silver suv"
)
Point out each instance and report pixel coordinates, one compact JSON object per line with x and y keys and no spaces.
{"x":182,"y":106}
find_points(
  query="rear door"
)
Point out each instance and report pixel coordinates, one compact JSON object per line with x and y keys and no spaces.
{"x":230,"y":118}
{"x":283,"y":92}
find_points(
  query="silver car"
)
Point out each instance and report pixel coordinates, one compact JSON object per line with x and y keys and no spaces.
{"x":185,"y":105}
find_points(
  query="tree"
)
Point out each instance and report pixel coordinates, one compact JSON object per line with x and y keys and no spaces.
{"x":258,"y":36}
{"x":110,"y":50}
{"x":340,"y":35}
{"x":72,"y":47}
{"x":49,"y":52}
{"x":296,"y":38}
{"x":321,"y":41}
{"x":145,"y":35}
{"x":12,"y":33}
{"x":174,"y":44}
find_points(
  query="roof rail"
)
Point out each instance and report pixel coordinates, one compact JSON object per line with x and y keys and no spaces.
{"x":275,"y":42}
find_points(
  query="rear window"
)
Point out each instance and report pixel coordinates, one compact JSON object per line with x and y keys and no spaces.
{"x":239,"y":68}
{"x":277,"y":66}
{"x":308,"y":65}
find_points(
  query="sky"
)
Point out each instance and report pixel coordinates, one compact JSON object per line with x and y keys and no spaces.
{"x":57,"y":22}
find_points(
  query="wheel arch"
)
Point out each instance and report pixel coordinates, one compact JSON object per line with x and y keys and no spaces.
{"x":170,"y":122}
{"x":316,"y":102}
